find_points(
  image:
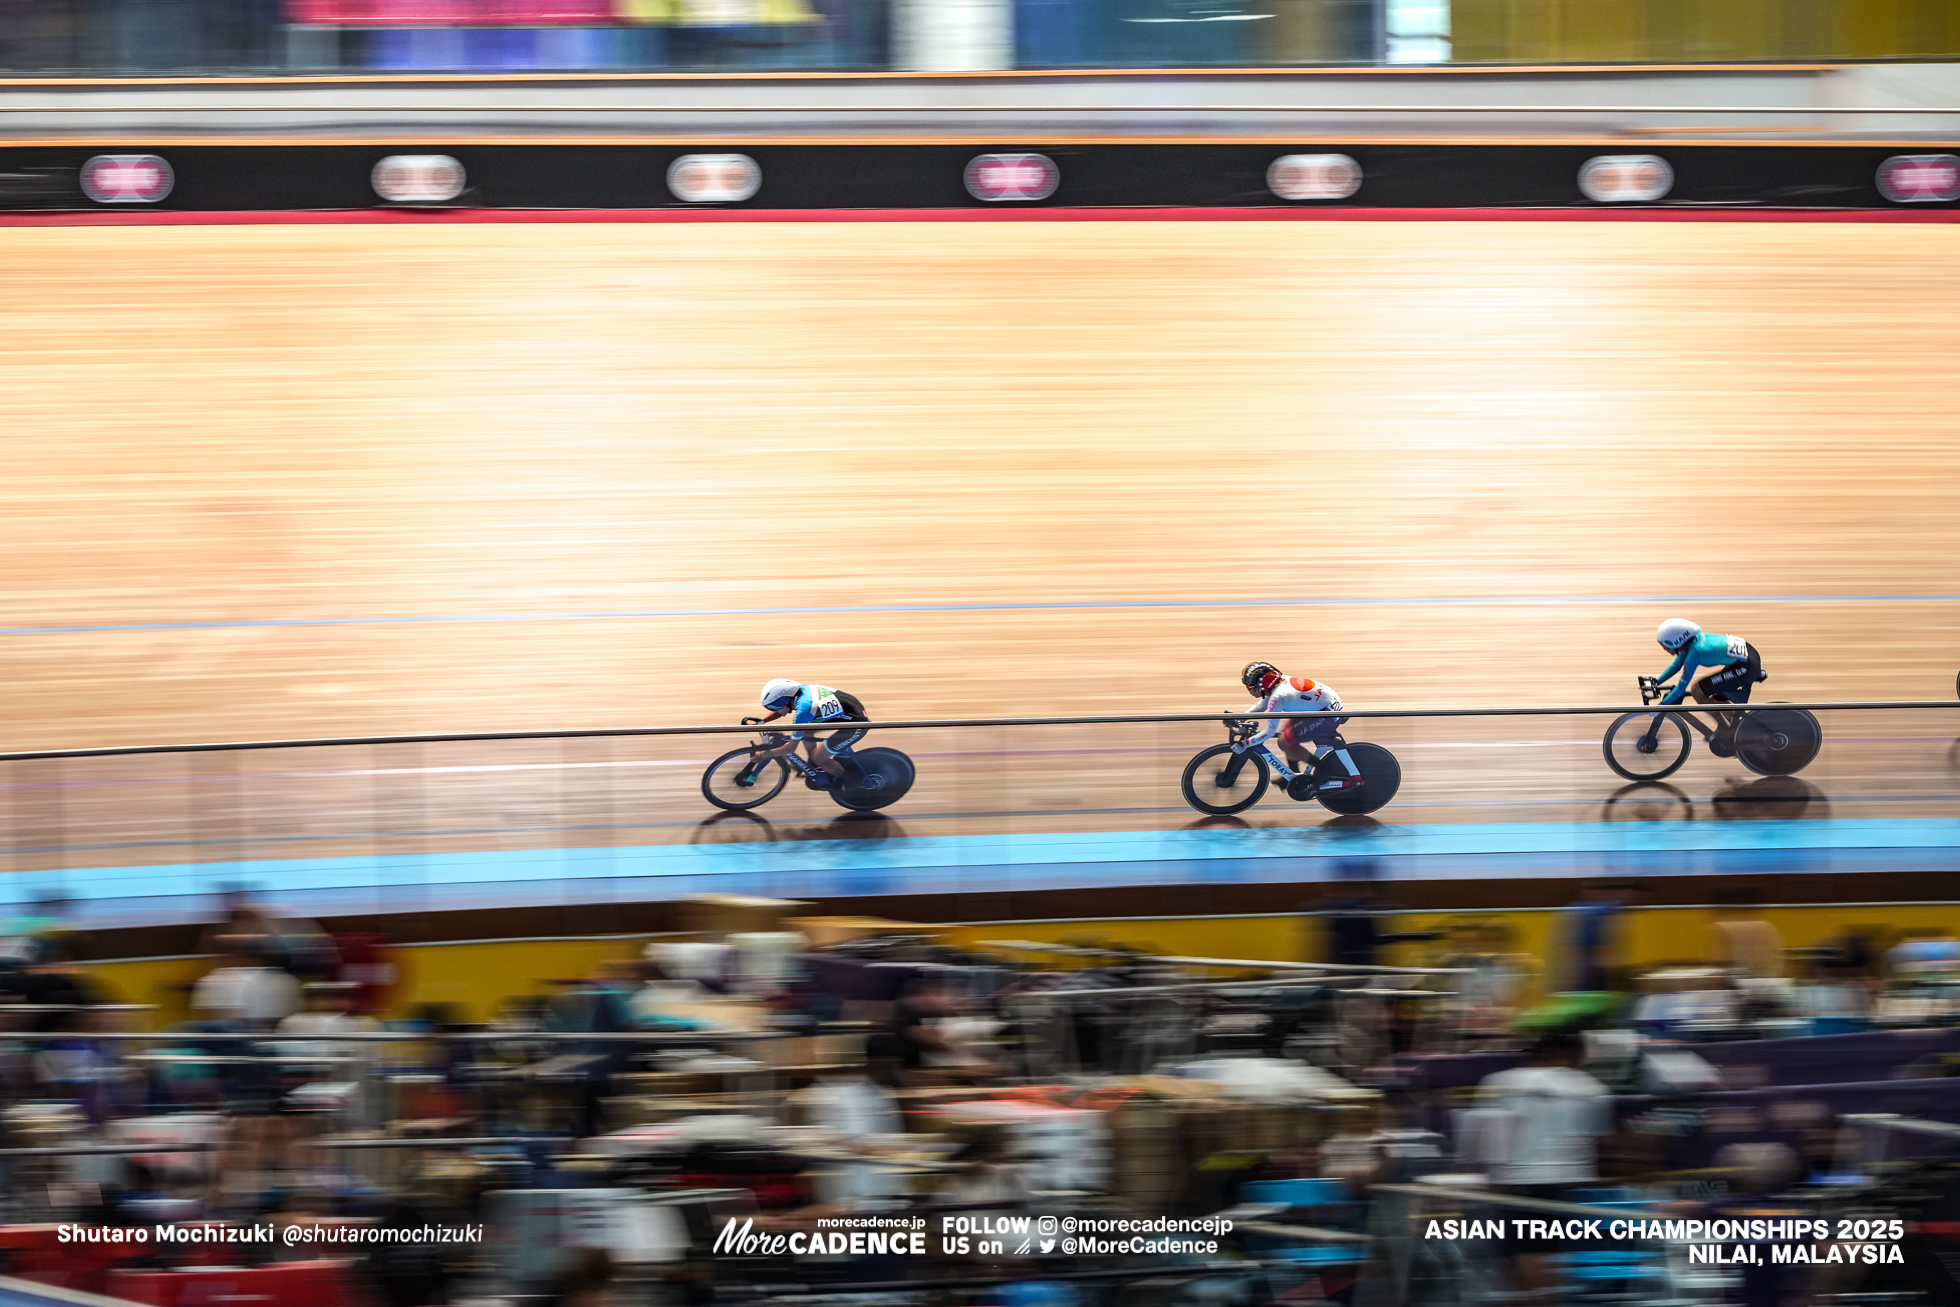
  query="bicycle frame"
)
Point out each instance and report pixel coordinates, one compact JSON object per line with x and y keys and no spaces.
{"x":1651,"y":691}
{"x":1237,"y":731}
{"x":793,"y":756}
{"x":802,"y":764}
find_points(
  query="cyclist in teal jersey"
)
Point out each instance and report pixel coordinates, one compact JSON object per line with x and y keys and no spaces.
{"x":1727,"y":665}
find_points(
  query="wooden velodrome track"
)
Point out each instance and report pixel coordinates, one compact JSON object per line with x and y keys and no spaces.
{"x":221,"y":441}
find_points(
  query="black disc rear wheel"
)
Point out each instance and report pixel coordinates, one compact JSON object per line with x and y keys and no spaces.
{"x":1778,"y":741}
{"x":1381,"y":777}
{"x":888,"y":775}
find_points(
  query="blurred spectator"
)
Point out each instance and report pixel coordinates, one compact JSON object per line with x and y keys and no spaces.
{"x":1594,"y":943}
{"x":1857,"y":951}
{"x":1490,"y":978}
{"x":70,"y":1063}
{"x":1741,"y":940}
{"x":701,"y":961}
{"x":996,"y":1178}
{"x":1758,"y":1173}
{"x":1680,"y":1000}
{"x":46,"y":976}
{"x":863,"y":1110}
{"x":328,"y":1013}
{"x":1548,"y":1119}
{"x":329,"y":1086}
{"x":931,"y":1019}
{"x":1830,"y":991}
{"x":864,"y":1114}
{"x":245,"y":992}
{"x":1923,"y":952}
{"x":1353,"y":913}
{"x":763,"y":963}
{"x":662,"y":1000}
{"x":369,"y":966}
{"x":441,"y":1055}
{"x":1352,"y":1153}
{"x":247,"y":988}
{"x":291,"y":943}
{"x":43,"y":920}
{"x":1384,"y":1143}
{"x":598,"y":1005}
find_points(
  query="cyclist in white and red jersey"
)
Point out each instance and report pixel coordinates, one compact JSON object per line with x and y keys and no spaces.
{"x":1300,"y":739}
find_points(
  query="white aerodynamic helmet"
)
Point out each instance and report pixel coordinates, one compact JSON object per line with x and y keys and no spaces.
{"x":1676,"y":632}
{"x":778,"y":690}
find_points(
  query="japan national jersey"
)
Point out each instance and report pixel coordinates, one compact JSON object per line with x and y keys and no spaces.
{"x":1294,"y":694}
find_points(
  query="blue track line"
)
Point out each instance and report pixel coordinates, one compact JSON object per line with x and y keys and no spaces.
{"x":608,"y":615}
{"x":938,"y":864}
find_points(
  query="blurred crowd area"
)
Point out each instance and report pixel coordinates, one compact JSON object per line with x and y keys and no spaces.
{"x":793,"y":1074}
{"x":110,"y":37}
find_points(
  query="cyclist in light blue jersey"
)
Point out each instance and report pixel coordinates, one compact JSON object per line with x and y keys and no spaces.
{"x":1726,"y":665}
{"x":817,"y":705}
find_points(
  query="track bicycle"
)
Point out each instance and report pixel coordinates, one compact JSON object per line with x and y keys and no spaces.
{"x":739,"y":780}
{"x":1222,"y":780}
{"x":1771,"y":741}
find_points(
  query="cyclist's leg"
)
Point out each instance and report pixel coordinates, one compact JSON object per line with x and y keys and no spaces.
{"x":1287,"y":754}
{"x":838,"y":757}
{"x":1718,"y":738}
{"x":1318,"y":735}
{"x":1731,"y":684}
{"x":1297,"y":754}
{"x":1727,"y":684}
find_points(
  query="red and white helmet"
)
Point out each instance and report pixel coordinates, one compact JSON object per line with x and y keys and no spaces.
{"x":1260,"y":678}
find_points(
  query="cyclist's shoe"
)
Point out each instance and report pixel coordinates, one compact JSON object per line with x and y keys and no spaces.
{"x":821,"y":781}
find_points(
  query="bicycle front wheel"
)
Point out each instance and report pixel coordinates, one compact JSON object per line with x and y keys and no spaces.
{"x":1221,"y":782}
{"x":1645,"y":746}
{"x":730,"y":785}
{"x":1779,"y":742}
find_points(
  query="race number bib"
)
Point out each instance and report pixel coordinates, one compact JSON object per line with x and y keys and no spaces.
{"x":827,"y":706}
{"x":1738,"y":649}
